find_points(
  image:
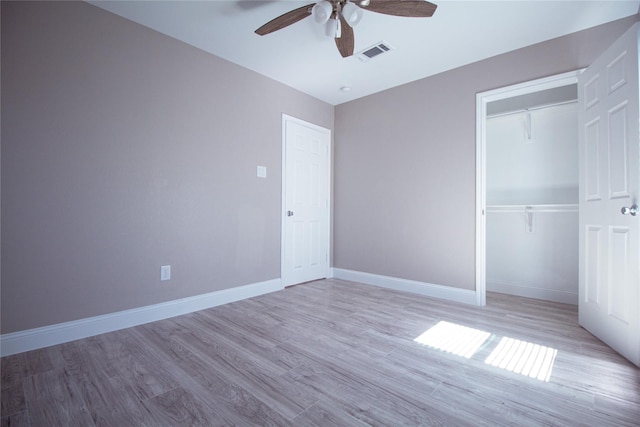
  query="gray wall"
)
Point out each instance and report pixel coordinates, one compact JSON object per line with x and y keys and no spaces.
{"x":404,"y":172}
{"x":123,"y":150}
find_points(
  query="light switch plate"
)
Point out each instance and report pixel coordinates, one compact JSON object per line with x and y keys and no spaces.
{"x":262,"y":171}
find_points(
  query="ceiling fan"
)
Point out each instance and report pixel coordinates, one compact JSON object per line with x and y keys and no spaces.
{"x":340,"y":16}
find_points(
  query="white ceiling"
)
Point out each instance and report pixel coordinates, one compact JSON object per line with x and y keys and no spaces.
{"x":301,"y":56}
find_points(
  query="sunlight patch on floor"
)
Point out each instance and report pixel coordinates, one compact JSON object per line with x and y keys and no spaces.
{"x":533,"y":360}
{"x":456,"y":339}
{"x":521,"y":357}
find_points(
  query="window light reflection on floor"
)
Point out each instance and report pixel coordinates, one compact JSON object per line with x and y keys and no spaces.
{"x":521,"y":357}
{"x":456,"y":339}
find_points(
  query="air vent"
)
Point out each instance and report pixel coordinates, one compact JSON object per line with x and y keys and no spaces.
{"x":373,"y":51}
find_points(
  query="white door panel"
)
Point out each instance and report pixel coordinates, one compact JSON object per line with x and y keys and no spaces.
{"x":609,"y":116}
{"x":306,"y":202}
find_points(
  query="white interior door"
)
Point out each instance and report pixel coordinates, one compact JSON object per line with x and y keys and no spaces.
{"x":305,"y":245}
{"x":609,"y":303}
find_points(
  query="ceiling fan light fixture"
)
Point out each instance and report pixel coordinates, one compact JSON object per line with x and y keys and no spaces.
{"x":321,"y":11}
{"x":333,"y":28}
{"x":352,"y":14}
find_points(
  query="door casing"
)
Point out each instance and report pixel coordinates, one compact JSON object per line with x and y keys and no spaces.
{"x":482,"y":99}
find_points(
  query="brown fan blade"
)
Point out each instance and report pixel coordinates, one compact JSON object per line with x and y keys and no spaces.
{"x":408,"y":8}
{"x":285,"y":20}
{"x":346,"y":41}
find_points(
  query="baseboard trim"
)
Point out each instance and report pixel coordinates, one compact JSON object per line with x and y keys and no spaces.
{"x":533,"y":292}
{"x":422,"y":288}
{"x":32,"y":339}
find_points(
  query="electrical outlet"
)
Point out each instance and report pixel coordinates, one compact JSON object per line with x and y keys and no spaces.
{"x":165,"y":272}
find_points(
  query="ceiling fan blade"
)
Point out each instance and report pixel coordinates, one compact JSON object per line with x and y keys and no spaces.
{"x":409,"y":8}
{"x":346,"y":42}
{"x":285,"y":20}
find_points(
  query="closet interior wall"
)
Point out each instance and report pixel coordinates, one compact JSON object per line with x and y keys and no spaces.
{"x":532,"y":202}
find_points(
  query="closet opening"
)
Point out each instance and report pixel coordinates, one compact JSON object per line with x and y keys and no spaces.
{"x":527,"y":190}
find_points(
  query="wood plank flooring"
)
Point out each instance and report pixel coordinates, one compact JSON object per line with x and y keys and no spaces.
{"x":325,"y":353}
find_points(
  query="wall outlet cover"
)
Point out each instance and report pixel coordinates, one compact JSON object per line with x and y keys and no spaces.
{"x":165,"y":272}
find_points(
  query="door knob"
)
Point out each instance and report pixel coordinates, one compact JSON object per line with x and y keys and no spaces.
{"x":290,"y":213}
{"x":633,"y":210}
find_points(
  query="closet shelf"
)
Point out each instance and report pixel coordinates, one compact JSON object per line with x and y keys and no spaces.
{"x":548,"y":208}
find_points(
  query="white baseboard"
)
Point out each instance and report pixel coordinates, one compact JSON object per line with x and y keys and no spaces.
{"x":427,"y":289}
{"x":18,"y":342}
{"x":533,"y":292}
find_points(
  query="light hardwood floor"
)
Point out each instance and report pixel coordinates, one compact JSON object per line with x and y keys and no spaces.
{"x":324,"y":353}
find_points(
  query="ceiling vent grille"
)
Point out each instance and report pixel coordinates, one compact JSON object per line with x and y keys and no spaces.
{"x":374,"y":51}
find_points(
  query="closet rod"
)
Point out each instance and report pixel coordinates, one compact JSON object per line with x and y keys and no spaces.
{"x":548,"y":208}
{"x":524,"y":110}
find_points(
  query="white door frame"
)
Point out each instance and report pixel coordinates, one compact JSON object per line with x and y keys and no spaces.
{"x":482,"y":99}
{"x":286,"y":118}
